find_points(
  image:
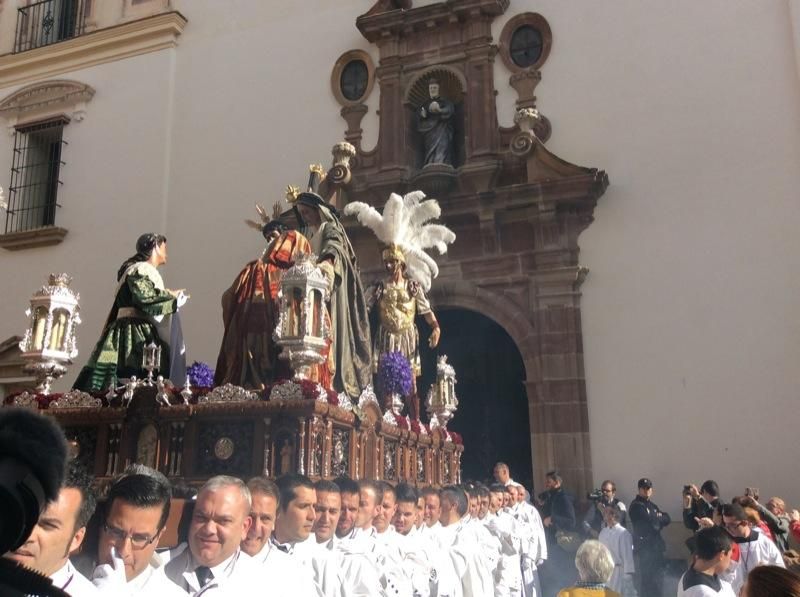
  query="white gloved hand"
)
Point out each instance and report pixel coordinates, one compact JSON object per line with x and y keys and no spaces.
{"x":110,"y":578}
{"x":182,"y":298}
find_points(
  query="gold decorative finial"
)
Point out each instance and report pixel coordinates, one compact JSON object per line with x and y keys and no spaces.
{"x":292,"y":192}
{"x":318,"y":169}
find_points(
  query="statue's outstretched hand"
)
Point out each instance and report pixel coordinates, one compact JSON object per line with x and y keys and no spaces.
{"x":433,"y":341}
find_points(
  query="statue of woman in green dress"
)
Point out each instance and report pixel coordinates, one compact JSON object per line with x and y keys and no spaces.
{"x":140,"y":315}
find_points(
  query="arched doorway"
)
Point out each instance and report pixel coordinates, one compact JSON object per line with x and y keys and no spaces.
{"x":492,"y":415}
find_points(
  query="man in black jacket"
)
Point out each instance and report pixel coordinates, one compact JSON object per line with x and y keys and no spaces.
{"x":699,"y":504}
{"x":558,"y":517}
{"x":648,"y":545}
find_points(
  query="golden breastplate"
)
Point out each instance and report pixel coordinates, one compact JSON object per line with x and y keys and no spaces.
{"x":397,"y":308}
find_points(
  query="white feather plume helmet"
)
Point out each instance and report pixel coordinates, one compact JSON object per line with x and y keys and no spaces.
{"x":405,"y":225}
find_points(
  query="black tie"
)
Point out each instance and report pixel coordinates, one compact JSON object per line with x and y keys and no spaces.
{"x":204,"y":575}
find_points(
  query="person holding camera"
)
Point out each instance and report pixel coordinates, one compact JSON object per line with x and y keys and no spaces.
{"x":699,"y":503}
{"x":601,"y":499}
{"x":648,"y":545}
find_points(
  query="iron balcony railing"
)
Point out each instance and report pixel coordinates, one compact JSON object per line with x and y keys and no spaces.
{"x":48,"y":22}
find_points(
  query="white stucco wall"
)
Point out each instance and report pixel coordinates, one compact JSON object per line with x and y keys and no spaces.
{"x":689,"y":313}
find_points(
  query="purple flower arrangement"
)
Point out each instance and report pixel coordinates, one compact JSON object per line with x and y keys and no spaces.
{"x":394,"y":374}
{"x":200,"y":375}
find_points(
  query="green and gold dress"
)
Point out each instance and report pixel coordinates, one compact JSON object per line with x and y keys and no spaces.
{"x":139,"y":310}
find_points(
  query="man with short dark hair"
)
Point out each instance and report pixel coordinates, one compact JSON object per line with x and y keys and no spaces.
{"x":432,"y":509}
{"x":136,"y":512}
{"x":328,"y":509}
{"x":383,"y":520}
{"x":699,"y":504}
{"x":350,"y":499}
{"x":294,"y":546}
{"x":469,"y":563}
{"x":423,"y":561}
{"x":712,"y":557}
{"x":60,"y":532}
{"x":755,"y":549}
{"x":593,"y":521}
{"x":648,"y":546}
{"x":558,"y":517}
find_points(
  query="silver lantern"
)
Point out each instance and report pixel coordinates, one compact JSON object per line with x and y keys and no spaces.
{"x":303,"y":330}
{"x":442,"y":402}
{"x":49,"y":344}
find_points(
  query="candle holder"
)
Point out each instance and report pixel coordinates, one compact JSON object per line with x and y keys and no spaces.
{"x":442,"y":402}
{"x":303,"y":331}
{"x":151,"y":361}
{"x":49,"y":344}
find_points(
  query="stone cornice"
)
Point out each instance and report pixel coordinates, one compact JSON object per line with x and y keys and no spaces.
{"x":98,"y":47}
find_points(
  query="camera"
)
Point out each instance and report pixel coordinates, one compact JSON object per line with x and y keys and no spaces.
{"x":687,"y":490}
{"x":595,"y":495}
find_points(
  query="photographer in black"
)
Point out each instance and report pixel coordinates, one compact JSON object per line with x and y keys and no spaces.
{"x":699,"y":504}
{"x":601,"y":499}
{"x":33,"y":455}
{"x":558,"y":518}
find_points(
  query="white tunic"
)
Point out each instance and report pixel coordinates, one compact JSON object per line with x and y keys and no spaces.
{"x":754,"y":551}
{"x":285,"y":575}
{"x":620,"y":543}
{"x":111,"y":580}
{"x":468,"y":561}
{"x":694,"y":584}
{"x":232,"y":578}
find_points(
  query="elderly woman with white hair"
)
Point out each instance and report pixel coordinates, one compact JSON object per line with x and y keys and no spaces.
{"x":595,"y":566}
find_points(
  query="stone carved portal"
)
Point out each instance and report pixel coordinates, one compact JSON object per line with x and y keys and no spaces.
{"x":516,"y":208}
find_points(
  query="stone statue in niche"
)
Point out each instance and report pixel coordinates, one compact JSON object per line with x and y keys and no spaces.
{"x":286,"y":456}
{"x":436,"y":127}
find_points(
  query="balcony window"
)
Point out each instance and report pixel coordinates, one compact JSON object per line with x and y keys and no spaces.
{"x":48,"y":22}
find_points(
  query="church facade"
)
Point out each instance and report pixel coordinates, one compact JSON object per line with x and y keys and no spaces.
{"x":621,"y":178}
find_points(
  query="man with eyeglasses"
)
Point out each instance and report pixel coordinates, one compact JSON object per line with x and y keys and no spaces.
{"x":136,"y":511}
{"x":754,"y":548}
{"x":60,"y":532}
{"x":593,"y":521}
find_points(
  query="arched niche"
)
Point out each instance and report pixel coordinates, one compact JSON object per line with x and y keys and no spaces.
{"x":452,"y":86}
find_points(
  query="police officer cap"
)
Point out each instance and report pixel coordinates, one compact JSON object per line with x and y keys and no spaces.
{"x":645,"y":483}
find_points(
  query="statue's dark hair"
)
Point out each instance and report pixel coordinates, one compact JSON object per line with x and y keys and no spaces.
{"x":272,"y":226}
{"x":145,"y":245}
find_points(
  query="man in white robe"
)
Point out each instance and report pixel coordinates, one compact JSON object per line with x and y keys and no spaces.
{"x":754,"y":548}
{"x":211,"y":561}
{"x":468,"y":561}
{"x":136,"y":512}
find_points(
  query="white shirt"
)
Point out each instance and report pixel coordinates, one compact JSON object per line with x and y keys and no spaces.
{"x":756,"y":550}
{"x":230,"y":577}
{"x":468,"y":561}
{"x":111,"y":580}
{"x":701,"y":585}
{"x":285,"y":574}
{"x":73,"y":582}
